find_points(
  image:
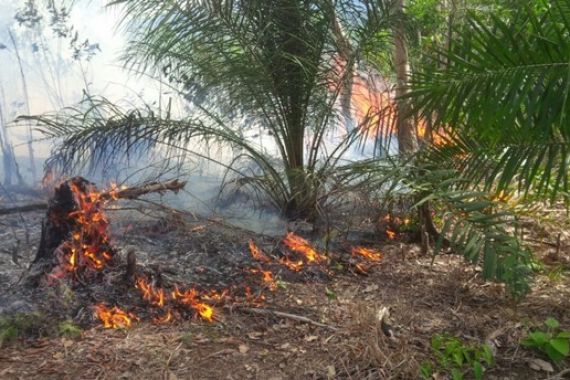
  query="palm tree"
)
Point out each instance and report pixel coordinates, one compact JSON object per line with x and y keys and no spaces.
{"x":503,"y":99}
{"x":272,"y":61}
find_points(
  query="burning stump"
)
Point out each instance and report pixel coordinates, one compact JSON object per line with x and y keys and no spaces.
{"x":74,"y":236}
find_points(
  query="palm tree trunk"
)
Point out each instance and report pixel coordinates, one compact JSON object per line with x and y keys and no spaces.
{"x":407,"y":136}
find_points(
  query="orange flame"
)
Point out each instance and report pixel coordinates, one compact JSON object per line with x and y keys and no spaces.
{"x":257,"y":253}
{"x":292,"y":265}
{"x":367,"y":253}
{"x":267,"y":278}
{"x":300,"y":245}
{"x":391,"y":234}
{"x":114,"y":318}
{"x":150,"y":294}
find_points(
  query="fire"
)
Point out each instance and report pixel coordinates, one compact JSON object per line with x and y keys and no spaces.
{"x":300,"y":245}
{"x":190,"y":298}
{"x":114,"y":318}
{"x":267,"y":278}
{"x":257,"y":253}
{"x":391,"y":234}
{"x":362,"y":268}
{"x":367,"y":253}
{"x":150,"y":294}
{"x":168,"y":317}
{"x":294,"y":266}
{"x":160,"y":298}
{"x":88,"y":246}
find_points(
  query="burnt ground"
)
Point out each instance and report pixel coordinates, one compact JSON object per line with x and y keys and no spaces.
{"x":424,"y":299}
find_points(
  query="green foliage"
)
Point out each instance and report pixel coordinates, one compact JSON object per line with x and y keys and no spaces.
{"x":69,"y":329}
{"x":473,"y":223}
{"x":553,"y":342}
{"x":21,"y":324}
{"x":504,"y":97}
{"x":455,"y":358}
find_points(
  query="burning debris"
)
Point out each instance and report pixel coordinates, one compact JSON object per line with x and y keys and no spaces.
{"x":76,"y":249}
{"x":114,"y":318}
{"x":300,"y":245}
{"x":367,"y":253}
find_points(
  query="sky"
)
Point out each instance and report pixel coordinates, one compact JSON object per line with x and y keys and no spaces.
{"x":53,"y":78}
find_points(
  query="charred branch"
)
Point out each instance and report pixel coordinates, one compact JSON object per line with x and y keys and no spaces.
{"x":128,"y":193}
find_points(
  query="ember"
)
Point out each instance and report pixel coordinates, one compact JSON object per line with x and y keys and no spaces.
{"x":267,"y":278}
{"x":257,"y":253}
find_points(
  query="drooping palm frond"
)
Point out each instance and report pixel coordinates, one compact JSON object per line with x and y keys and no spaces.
{"x":505,"y":96}
{"x":472,"y":223}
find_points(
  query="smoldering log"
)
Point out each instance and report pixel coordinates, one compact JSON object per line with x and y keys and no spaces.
{"x":128,"y":193}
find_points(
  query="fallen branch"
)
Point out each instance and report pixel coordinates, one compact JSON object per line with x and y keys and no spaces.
{"x":26,"y":208}
{"x":135,"y":192}
{"x":282,"y":314}
{"x":128,"y":193}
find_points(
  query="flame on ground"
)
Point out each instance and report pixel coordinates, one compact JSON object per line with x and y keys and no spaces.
{"x":367,"y":253}
{"x":302,"y":246}
{"x":114,"y":318}
{"x":160,"y":298}
{"x":257,"y":253}
{"x":391,"y":234}
{"x":267,"y":278}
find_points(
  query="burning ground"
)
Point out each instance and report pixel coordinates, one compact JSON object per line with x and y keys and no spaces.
{"x":206,"y":300}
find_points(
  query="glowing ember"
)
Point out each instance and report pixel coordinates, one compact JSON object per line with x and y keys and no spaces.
{"x":300,"y":245}
{"x":367,"y":253}
{"x":291,"y":265}
{"x":267,"y":278}
{"x":362,"y":268}
{"x":390,"y":234}
{"x":165,"y":318}
{"x":114,"y":318}
{"x":257,"y":253}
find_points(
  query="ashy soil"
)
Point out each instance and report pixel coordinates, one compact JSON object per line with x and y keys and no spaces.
{"x":310,"y":327}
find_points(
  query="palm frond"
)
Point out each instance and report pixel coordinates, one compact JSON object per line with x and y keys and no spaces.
{"x":504,"y":95}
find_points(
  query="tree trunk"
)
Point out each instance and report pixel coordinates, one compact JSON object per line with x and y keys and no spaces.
{"x":27,"y":101}
{"x":8,"y":158}
{"x":407,"y":135}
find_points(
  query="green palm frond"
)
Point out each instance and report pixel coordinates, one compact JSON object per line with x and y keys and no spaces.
{"x":505,"y":96}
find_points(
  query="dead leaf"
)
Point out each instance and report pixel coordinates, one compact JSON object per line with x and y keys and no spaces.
{"x":285,"y":346}
{"x":540,"y":365}
{"x":255,"y":335}
{"x":66,"y":343}
{"x":331,"y":372}
{"x":311,"y":338}
{"x":371,"y":288}
{"x":243,"y":348}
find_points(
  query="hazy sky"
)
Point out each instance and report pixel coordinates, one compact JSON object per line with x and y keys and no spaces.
{"x":53,"y":78}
